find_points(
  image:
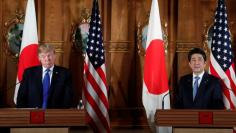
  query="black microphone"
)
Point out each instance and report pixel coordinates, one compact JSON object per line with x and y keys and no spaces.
{"x":163,"y":99}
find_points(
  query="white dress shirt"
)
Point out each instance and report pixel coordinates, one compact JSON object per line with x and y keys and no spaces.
{"x":50,"y":73}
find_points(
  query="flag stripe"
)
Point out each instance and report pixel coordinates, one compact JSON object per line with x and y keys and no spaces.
{"x":226,"y":102}
{"x":92,"y":91}
{"x":215,"y":67}
{"x":226,"y":85}
{"x":221,"y":56}
{"x":232,"y":75}
{"x":227,"y":93}
{"x":102,"y":75}
{"x":95,"y":84}
{"x":97,"y":77}
{"x":95,"y":111}
{"x":232,"y":85}
{"x":98,"y":125}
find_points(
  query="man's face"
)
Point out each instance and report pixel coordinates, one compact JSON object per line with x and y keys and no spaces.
{"x":197,"y":63}
{"x":47,"y":59}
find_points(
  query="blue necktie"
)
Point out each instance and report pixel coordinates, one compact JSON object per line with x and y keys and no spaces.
{"x":46,"y":86}
{"x":195,"y":86}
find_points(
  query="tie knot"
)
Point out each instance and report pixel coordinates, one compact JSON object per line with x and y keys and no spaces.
{"x":47,"y":70}
{"x":197,"y":78}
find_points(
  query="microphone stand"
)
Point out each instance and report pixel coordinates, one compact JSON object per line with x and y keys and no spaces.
{"x":163,"y":100}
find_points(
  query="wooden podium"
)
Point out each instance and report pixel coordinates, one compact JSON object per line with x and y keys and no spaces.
{"x":200,"y":121}
{"x":37,"y":120}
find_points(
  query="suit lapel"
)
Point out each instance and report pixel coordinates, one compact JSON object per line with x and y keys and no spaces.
{"x":189,"y":87}
{"x":53,"y":81}
{"x":39,"y":82}
{"x":202,"y":85}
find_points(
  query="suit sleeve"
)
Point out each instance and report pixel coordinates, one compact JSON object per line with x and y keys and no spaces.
{"x":69,"y":92}
{"x":178,"y":98}
{"x":217,"y":102}
{"x":22,"y":94}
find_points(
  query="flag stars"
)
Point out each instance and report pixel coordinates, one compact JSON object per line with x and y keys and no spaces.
{"x":213,"y":41}
{"x":221,"y":14}
{"x":220,"y":28}
{"x":95,"y":51}
{"x":221,"y":6}
{"x":225,"y":51}
{"x":225,"y":22}
{"x":221,"y":48}
{"x":224,"y":65}
{"x":225,"y":58}
{"x":225,"y":36}
{"x":213,"y":48}
{"x":226,"y":29}
{"x":220,"y":21}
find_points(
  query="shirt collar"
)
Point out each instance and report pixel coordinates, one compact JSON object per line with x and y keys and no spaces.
{"x":51,"y":68}
{"x":199,"y":75}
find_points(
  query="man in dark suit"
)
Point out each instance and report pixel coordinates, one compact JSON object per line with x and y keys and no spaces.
{"x":198,"y":90}
{"x":47,"y":85}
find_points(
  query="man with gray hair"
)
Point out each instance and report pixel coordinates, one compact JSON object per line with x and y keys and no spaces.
{"x":47,"y":85}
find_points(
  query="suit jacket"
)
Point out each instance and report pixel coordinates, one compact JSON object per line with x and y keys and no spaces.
{"x":209,"y":93}
{"x":60,"y":93}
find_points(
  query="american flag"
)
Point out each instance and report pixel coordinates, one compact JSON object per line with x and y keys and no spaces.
{"x":95,"y":86}
{"x":221,"y":57}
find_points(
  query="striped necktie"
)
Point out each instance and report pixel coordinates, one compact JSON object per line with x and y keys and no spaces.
{"x":195,"y":86}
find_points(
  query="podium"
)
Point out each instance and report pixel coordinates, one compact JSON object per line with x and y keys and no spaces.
{"x":200,"y":121}
{"x":37,"y":120}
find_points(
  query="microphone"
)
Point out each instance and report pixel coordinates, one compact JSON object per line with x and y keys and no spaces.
{"x":163,"y":99}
